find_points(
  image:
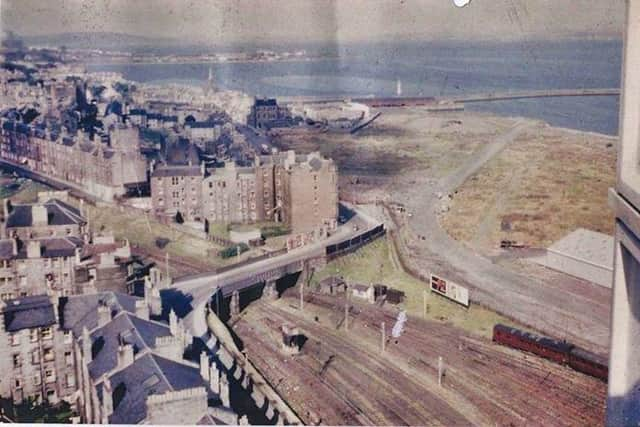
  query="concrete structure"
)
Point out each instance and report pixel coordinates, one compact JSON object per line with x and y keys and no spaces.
{"x":623,"y":405}
{"x":245,"y":236}
{"x":583,"y":253}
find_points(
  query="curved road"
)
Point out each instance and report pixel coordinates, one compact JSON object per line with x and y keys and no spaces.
{"x":545,"y":306}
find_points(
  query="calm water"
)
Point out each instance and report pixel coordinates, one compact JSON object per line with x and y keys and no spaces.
{"x":432,"y":69}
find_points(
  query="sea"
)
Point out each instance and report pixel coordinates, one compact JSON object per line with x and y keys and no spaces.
{"x":428,"y":69}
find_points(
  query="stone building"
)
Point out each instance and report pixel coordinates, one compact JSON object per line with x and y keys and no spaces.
{"x":103,"y":167}
{"x":300,"y":191}
{"x":53,"y":218}
{"x":36,"y":355}
{"x":41,"y":266}
{"x":231,"y":195}
{"x":265,"y":111}
{"x":177,"y":189}
{"x":131,"y":368}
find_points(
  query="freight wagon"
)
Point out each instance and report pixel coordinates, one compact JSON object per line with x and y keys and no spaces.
{"x":558,"y":351}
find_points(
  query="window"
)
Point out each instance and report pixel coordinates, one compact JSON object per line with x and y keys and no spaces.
{"x":49,"y":375}
{"x":15,"y":339}
{"x":18,"y":383}
{"x":33,"y":335}
{"x":70,"y":380}
{"x":35,"y":357}
{"x":17,"y":360}
{"x":47,"y":333}
{"x":48,"y":354}
{"x":68,"y":358}
{"x":68,"y":337}
{"x":37,"y":379}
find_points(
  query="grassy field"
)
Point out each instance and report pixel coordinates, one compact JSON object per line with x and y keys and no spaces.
{"x":376,"y":263}
{"x":143,"y":230}
{"x":544,"y":185}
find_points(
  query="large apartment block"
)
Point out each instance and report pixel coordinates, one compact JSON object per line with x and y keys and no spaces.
{"x":298,"y":190}
{"x":103,"y":167}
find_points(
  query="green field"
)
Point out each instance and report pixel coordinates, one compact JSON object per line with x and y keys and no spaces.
{"x":377,"y":263}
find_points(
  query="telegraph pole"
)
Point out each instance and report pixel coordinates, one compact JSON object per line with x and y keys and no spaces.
{"x":424,"y":304}
{"x":440,"y":370}
{"x":346,"y":308}
{"x":384,"y":338}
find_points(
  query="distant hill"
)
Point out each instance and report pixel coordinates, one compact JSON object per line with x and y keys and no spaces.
{"x":116,"y":41}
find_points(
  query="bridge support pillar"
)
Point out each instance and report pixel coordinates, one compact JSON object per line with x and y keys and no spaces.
{"x":270,"y":291}
{"x":235,"y":303}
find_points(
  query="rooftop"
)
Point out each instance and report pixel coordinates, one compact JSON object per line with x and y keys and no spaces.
{"x":28,"y":312}
{"x":586,"y":245}
{"x":58,"y":213}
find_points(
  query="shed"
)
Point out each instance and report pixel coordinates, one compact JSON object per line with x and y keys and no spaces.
{"x":584,"y":254}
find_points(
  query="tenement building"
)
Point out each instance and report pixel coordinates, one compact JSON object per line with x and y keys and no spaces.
{"x":300,"y":191}
{"x":36,"y":355}
{"x":105,"y":355}
{"x":104,"y":166}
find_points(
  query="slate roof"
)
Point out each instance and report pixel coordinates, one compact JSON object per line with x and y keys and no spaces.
{"x":58,"y":212}
{"x":166,"y":171}
{"x":149,"y":374}
{"x":54,"y":247}
{"x":271,"y":102}
{"x":128,"y":329}
{"x":28,"y":312}
{"x":82,"y":310}
{"x":205,"y":125}
{"x":6,"y":249}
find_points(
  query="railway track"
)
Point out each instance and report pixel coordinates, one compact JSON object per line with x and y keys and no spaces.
{"x":484,"y":384}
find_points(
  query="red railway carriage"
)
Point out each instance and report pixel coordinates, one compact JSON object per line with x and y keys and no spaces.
{"x":584,"y":361}
{"x":561,"y":352}
{"x":551,"y":349}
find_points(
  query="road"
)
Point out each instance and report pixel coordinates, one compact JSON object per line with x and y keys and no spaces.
{"x":564,"y":311}
{"x":199,"y":289}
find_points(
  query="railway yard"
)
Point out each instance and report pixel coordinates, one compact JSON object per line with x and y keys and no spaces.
{"x":344,"y":377}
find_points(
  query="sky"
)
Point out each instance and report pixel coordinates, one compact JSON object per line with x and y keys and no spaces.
{"x":233,"y":21}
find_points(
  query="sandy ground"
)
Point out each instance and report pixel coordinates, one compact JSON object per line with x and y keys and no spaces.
{"x":414,"y":159}
{"x":343,"y":377}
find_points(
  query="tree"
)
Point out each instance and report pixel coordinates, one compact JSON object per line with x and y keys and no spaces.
{"x":179,"y":218}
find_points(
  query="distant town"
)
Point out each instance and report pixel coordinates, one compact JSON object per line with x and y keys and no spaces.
{"x":189,"y":254}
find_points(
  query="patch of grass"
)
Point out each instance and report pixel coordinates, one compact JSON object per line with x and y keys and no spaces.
{"x":143,"y":230}
{"x":376,"y":263}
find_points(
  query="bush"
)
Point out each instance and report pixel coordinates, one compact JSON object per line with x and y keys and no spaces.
{"x":232,"y":251}
{"x":274,"y":231}
{"x":179,"y":218}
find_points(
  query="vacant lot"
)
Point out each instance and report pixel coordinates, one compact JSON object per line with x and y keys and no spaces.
{"x":547,"y":183}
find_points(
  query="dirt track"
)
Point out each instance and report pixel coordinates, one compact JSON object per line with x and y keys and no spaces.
{"x":343,"y":378}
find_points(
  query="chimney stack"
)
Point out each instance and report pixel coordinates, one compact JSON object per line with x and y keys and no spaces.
{"x":39,"y":215}
{"x":104,"y":314}
{"x":125,"y":355}
{"x":107,"y":400}
{"x":7,"y":208}
{"x":86,"y":345}
{"x":33,"y":249}
{"x":204,"y":366}
{"x":142,"y":309}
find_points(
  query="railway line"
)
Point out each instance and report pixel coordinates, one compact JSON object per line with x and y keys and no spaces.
{"x":484,"y":383}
